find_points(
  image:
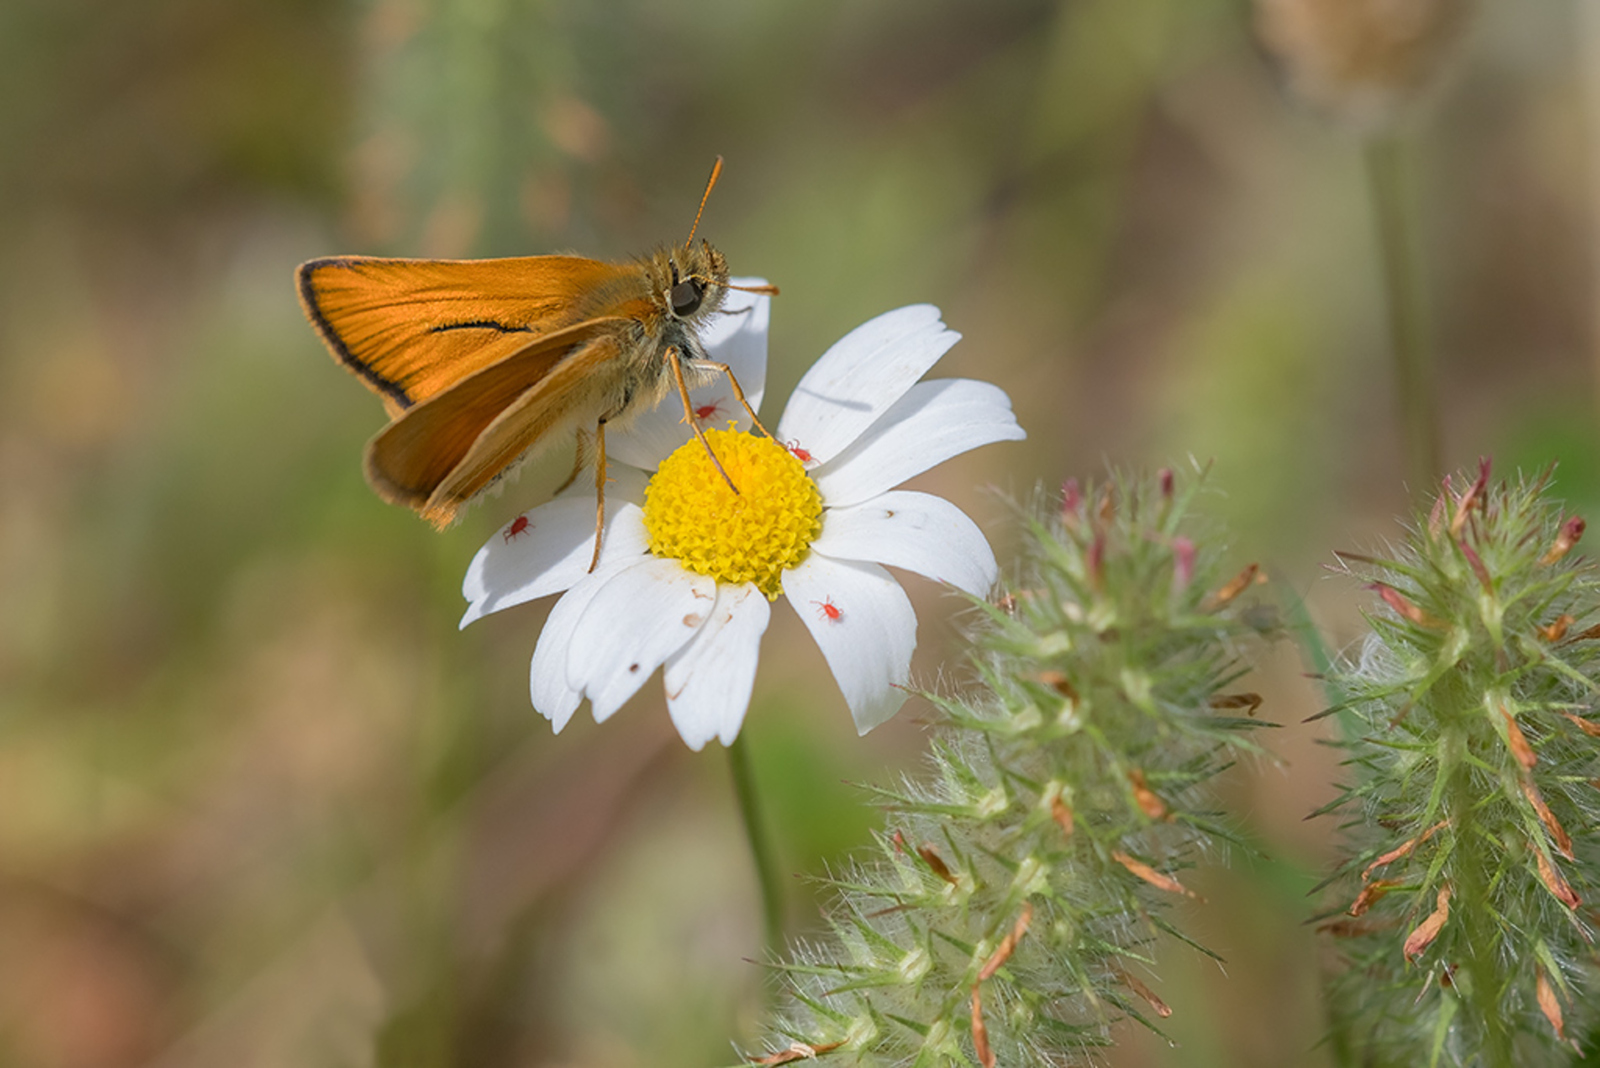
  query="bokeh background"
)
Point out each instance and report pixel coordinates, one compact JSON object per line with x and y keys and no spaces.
{"x":262,"y":805}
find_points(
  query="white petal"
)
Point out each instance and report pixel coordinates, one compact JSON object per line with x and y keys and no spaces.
{"x":864,"y":625}
{"x":552,"y":549}
{"x":858,"y":379}
{"x":916,"y":531}
{"x":931,"y":423}
{"x":710,"y":679}
{"x":553,"y":697}
{"x":641,"y":616}
{"x":736,"y":336}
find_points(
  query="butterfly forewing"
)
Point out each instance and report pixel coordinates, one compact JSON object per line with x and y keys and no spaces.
{"x":414,"y":328}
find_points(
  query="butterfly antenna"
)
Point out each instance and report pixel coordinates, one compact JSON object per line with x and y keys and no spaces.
{"x":716,"y":172}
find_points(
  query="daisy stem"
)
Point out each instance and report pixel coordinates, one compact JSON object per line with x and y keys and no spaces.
{"x":1395,"y":213}
{"x":760,"y":844}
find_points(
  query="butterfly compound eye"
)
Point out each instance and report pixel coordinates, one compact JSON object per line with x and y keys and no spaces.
{"x":686,"y":296}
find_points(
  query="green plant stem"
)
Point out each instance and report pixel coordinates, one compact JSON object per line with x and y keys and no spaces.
{"x":760,"y":845}
{"x":1471,"y":869}
{"x":1395,"y":215}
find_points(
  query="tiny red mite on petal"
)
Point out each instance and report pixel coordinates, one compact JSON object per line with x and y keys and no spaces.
{"x":519,"y":526}
{"x":828,"y":610}
{"x":800,"y":454}
{"x":707,"y":411}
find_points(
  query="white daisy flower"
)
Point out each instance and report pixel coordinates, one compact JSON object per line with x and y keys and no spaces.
{"x":687,"y":568}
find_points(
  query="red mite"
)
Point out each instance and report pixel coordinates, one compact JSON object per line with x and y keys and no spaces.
{"x":706,"y":411}
{"x":828,"y":610}
{"x":519,"y":526}
{"x":799,"y":454}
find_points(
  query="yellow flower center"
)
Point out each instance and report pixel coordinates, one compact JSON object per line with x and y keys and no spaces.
{"x":751,"y":536}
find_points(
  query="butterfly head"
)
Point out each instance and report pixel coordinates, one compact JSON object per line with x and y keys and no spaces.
{"x":693,"y":281}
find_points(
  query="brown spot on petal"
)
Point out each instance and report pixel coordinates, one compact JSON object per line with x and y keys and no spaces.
{"x":693,"y":619}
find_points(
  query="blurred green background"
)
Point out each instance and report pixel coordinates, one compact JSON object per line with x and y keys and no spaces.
{"x":262,"y":805}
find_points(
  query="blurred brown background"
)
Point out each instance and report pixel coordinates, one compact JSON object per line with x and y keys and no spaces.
{"x":262,"y":805}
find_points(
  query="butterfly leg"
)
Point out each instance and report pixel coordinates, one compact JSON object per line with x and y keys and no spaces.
{"x":688,"y":411}
{"x":599,"y":488}
{"x":579,"y":461}
{"x":738,"y":391}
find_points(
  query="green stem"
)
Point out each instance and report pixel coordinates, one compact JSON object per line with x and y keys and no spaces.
{"x":1394,"y":212}
{"x":1471,"y":876}
{"x":760,"y":844}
